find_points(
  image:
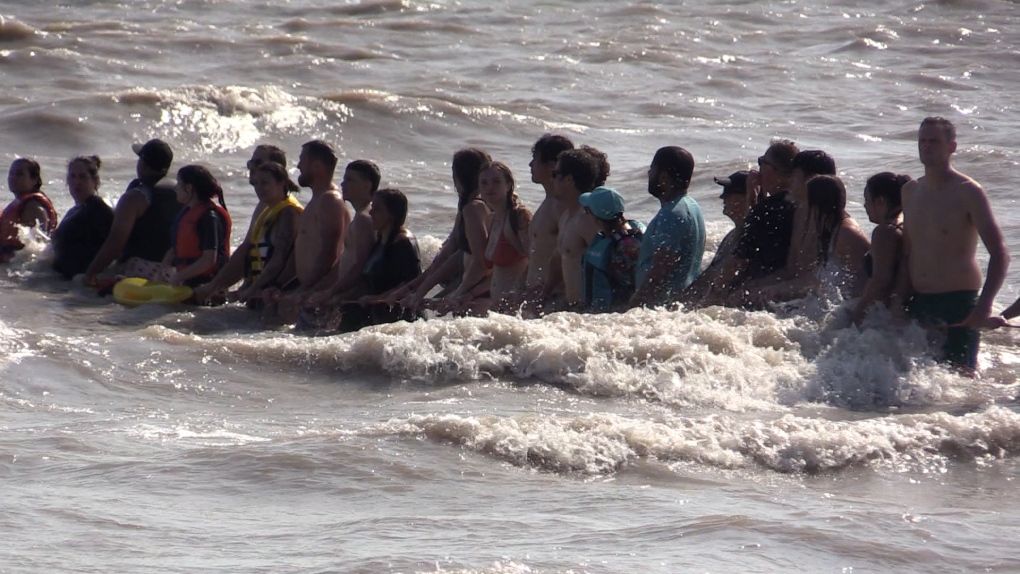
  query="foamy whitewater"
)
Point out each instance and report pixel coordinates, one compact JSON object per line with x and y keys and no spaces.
{"x":186,"y":440}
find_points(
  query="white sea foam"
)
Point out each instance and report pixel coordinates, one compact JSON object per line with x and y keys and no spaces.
{"x":228,"y":118}
{"x":606,"y":443}
{"x":718,"y":358}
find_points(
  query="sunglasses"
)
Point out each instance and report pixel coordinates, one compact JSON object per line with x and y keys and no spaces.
{"x":254,"y":163}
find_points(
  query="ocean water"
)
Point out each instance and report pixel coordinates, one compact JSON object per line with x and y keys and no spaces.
{"x":188,"y":440}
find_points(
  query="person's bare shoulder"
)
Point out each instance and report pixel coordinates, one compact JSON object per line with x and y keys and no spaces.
{"x":475,"y":209}
{"x":886,"y":234}
{"x":332,"y":200}
{"x":361,"y":225}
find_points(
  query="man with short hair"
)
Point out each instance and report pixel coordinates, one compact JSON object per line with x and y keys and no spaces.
{"x":234,"y":270}
{"x":360,"y":182}
{"x":321,"y":229}
{"x":544,"y":227}
{"x":575,"y":173}
{"x":944,"y":214}
{"x":143,"y":216}
{"x":674,"y":242}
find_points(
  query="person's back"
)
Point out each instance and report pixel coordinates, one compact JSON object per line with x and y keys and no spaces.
{"x":140,"y":234}
{"x":150,"y":236}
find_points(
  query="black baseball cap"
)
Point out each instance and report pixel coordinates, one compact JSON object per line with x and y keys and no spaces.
{"x":735,"y":184}
{"x":155,"y":153}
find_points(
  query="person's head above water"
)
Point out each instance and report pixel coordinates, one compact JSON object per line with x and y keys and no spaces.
{"x":154,"y":159}
{"x":316,"y":164}
{"x":24,"y":177}
{"x":670,"y":172}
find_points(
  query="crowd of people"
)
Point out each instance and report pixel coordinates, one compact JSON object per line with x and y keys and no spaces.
{"x":332,"y":267}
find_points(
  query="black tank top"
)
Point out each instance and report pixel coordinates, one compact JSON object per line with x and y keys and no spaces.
{"x":150,"y":237}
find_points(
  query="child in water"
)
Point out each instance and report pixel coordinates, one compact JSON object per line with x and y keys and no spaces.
{"x":30,"y":208}
{"x":882,"y":203}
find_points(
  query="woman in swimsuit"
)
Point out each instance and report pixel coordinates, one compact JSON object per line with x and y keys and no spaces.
{"x":506,"y":247}
{"x":841,"y":242}
{"x":883,"y":205}
{"x":460,"y":260}
{"x":840,"y":245}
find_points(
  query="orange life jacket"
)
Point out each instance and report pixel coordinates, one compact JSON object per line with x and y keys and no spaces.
{"x":11,"y":219}
{"x":187,"y":249}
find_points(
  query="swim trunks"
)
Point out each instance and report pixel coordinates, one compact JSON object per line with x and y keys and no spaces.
{"x":939,"y":309}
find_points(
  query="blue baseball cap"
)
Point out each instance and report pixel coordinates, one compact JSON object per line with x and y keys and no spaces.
{"x":603,"y":202}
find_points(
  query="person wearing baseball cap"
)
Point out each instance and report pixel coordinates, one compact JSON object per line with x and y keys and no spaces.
{"x":156,"y":155}
{"x":610,"y":262}
{"x":735,"y":206}
{"x":140,"y":236}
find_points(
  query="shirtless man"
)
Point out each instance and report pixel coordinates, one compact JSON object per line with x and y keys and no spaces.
{"x":575,"y":173}
{"x":360,"y":182}
{"x":143,"y":216}
{"x":321,"y":229}
{"x":944,"y":214}
{"x":234,"y":270}
{"x":545,"y":225}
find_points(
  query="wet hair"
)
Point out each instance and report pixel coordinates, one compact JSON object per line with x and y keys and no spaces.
{"x":580,"y":165}
{"x":396,"y":203}
{"x":92,"y":164}
{"x":368,"y":170}
{"x":202,"y":181}
{"x":275,"y":153}
{"x":602,"y":161}
{"x":781,"y":152}
{"x":827,"y":202}
{"x":814,"y":162}
{"x":321,"y":151}
{"x":678,"y":163}
{"x":940,"y":122}
{"x":888,"y":186}
{"x":467,"y":165}
{"x":280,"y":174}
{"x":549,"y":146}
{"x":513,"y":202}
{"x":33,"y":170}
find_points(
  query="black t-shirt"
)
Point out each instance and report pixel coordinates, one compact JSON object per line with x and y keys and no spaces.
{"x":80,"y":235}
{"x":765,"y":240}
{"x":390,"y":265}
{"x":150,"y":236}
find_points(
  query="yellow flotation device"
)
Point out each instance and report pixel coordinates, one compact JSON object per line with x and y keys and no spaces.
{"x":135,"y":291}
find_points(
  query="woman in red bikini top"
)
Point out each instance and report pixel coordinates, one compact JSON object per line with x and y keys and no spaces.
{"x":507,"y":247}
